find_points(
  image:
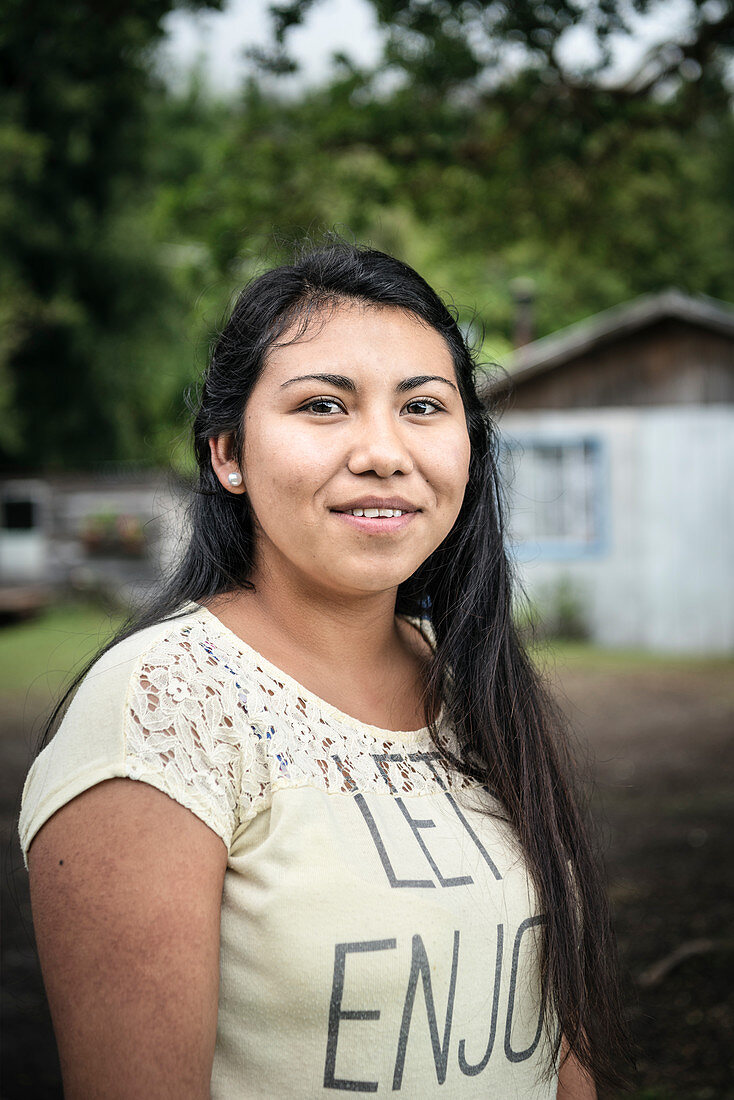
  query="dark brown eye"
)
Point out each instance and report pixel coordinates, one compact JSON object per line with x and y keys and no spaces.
{"x":432,"y":406}
{"x":312,"y":406}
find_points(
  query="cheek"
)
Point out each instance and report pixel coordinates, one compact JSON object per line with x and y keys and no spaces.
{"x":450,"y":464}
{"x":283,"y":468}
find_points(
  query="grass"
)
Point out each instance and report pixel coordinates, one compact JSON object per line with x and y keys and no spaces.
{"x":38,"y":656}
{"x":585,"y":657}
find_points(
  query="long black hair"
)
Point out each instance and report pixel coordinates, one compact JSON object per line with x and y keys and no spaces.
{"x":511,"y":734}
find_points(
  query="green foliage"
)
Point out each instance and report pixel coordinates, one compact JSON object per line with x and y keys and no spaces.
{"x":87,"y":305}
{"x":596,"y":206}
{"x":447,"y":46}
{"x":130,"y":216}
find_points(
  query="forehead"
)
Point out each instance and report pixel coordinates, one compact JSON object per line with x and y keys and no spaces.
{"x":361,"y":337}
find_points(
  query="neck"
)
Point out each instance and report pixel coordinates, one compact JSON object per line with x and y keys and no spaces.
{"x":350,"y":631}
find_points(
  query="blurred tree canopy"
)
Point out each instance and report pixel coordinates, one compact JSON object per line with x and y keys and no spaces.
{"x":473,"y":150}
{"x":441,"y":45}
{"x":87,"y":308}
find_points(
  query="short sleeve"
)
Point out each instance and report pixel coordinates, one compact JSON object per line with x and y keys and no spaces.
{"x":181,"y":736}
{"x":143,"y":712}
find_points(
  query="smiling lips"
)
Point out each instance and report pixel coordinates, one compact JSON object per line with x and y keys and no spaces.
{"x":372,"y":507}
{"x":374,"y":514}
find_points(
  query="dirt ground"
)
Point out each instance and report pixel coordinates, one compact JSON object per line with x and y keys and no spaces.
{"x":661,"y":745}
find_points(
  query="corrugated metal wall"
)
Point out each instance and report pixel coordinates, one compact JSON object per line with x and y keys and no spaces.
{"x":659,"y":571}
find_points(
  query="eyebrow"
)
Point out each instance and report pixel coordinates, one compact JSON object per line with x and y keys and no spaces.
{"x":341,"y":382}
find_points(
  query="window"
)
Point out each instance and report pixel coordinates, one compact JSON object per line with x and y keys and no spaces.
{"x":554,"y":492}
{"x":17,"y":515}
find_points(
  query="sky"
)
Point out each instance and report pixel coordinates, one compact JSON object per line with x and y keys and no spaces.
{"x":218,"y":40}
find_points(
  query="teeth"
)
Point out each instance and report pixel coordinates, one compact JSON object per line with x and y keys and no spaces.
{"x":373,"y":513}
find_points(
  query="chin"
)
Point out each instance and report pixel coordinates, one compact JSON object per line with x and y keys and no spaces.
{"x":369,"y":580}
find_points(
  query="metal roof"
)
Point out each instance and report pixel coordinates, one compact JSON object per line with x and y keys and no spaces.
{"x":622,"y":320}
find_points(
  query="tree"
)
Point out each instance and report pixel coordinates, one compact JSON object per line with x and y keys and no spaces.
{"x":84,"y":294}
{"x":509,"y":161}
{"x":443,"y":45}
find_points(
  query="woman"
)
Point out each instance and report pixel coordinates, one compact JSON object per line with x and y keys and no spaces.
{"x":307,"y":825}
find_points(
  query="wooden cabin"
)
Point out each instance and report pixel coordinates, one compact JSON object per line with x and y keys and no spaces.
{"x":618,"y":456}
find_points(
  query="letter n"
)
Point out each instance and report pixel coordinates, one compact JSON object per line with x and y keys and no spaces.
{"x":420,"y":967}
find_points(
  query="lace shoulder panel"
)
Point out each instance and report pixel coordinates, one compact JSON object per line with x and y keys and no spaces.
{"x":293,"y":738}
{"x":220,"y":729}
{"x":181,"y":730}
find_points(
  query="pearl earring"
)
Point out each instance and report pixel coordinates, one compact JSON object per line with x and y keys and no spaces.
{"x":234,"y":479}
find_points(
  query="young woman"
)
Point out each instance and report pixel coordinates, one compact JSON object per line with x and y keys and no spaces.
{"x":308,"y":826}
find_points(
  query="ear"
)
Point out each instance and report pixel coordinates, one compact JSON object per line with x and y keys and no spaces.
{"x":224,"y":465}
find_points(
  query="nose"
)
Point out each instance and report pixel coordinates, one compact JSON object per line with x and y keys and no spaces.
{"x":379,"y":446}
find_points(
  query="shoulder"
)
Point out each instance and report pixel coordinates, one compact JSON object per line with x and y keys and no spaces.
{"x":151,"y":709}
{"x":121,"y":659}
{"x":102,"y":693}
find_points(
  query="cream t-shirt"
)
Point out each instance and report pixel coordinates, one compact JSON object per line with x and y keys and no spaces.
{"x":378,"y":926}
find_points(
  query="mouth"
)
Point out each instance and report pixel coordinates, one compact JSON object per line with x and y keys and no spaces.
{"x":376,"y":524}
{"x":375,"y":512}
{"x":373,"y":505}
{"x":376,"y":515}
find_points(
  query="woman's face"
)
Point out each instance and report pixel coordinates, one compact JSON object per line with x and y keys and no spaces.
{"x":362,"y":412}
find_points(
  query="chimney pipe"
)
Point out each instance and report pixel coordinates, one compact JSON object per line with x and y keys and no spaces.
{"x":523,"y":293}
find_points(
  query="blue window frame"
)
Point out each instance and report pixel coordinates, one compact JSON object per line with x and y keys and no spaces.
{"x":557,"y":494}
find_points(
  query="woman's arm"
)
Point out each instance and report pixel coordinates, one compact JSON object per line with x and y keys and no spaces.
{"x":126,"y":889}
{"x":574,"y":1082}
